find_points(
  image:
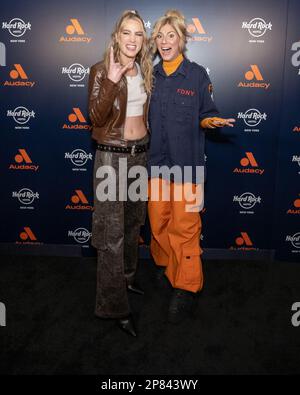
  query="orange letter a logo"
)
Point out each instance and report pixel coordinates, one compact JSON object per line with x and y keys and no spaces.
{"x":244,"y":239}
{"x":18,"y":72}
{"x":27,"y":234}
{"x":249,"y":160}
{"x":77,"y":115}
{"x":75,"y":25}
{"x":196,"y":27}
{"x":22,"y":156}
{"x":254,"y":72}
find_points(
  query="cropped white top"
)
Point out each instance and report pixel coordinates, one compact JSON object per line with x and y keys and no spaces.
{"x":136,"y":94}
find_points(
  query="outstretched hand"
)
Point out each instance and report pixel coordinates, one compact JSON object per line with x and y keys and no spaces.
{"x":219,"y":122}
{"x":116,"y":70}
{"x":216,"y":122}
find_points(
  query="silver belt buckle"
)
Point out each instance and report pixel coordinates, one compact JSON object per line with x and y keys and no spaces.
{"x":132,"y":150}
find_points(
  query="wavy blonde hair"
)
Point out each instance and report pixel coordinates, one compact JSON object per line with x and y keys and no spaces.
{"x":144,"y":58}
{"x":176,"y":19}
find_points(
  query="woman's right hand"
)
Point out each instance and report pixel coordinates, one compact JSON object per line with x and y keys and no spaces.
{"x":116,"y":70}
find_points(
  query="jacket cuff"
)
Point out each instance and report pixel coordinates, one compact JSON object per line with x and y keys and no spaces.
{"x":109,"y":88}
{"x":205,"y":123}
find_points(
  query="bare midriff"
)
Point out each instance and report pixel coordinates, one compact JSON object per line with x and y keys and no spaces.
{"x":135,"y":128}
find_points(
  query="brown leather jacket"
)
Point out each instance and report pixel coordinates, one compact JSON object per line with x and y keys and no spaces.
{"x":107,"y":107}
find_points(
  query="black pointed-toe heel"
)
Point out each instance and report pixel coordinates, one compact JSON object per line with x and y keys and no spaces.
{"x":127,"y":325}
{"x":134,"y":288}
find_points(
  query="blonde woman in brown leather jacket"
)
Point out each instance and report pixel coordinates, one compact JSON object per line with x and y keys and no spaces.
{"x":119,"y":89}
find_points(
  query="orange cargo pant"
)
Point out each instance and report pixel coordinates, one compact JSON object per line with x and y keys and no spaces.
{"x":176,"y":228}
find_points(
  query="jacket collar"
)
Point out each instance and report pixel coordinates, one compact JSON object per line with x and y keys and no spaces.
{"x":182,"y":69}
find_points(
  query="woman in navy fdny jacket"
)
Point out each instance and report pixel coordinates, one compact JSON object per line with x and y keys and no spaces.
{"x":181,"y":109}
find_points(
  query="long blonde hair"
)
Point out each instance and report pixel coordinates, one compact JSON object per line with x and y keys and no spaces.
{"x":144,"y":58}
{"x":176,"y":19}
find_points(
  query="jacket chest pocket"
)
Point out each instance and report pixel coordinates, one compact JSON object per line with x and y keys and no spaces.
{"x":183,"y":109}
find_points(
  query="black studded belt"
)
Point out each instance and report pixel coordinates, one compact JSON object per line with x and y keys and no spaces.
{"x":135,"y":149}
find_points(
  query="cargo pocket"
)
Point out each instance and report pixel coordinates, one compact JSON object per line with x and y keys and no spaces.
{"x":192,"y":265}
{"x":99,"y":232}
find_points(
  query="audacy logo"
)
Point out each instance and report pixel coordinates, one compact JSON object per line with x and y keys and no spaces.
{"x":296,"y":56}
{"x":17,"y":28}
{"x":21,"y":158}
{"x":77,"y":121}
{"x":21,"y":115}
{"x":76,"y":73}
{"x":197,"y":32}
{"x":28,"y":237}
{"x":247,"y":201}
{"x":243,"y":242}
{"x":250,"y":165}
{"x":19,"y":77}
{"x":296,"y":129}
{"x":79,"y":201}
{"x":296,"y":209}
{"x":252,"y":118}
{"x":254,"y":74}
{"x":257,"y":28}
{"x":75,"y":33}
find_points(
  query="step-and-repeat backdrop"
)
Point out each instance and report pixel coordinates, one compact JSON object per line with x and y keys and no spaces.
{"x":251,"y":51}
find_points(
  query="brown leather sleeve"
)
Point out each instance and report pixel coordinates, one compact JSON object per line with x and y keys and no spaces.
{"x":102,"y":94}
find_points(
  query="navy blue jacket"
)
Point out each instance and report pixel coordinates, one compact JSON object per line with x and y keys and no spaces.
{"x":178,"y":104}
